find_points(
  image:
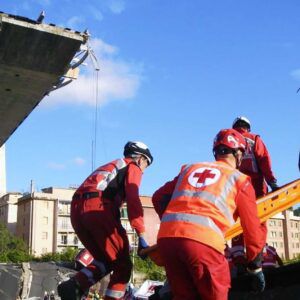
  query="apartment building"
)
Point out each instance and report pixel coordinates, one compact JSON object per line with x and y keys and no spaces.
{"x":8,"y":211}
{"x":151,"y":220}
{"x":44,"y":220}
{"x":284,"y":234}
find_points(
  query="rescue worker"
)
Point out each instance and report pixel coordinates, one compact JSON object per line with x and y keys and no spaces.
{"x":95,"y":217}
{"x":271,"y":259}
{"x":256,"y":163}
{"x":196,"y":208}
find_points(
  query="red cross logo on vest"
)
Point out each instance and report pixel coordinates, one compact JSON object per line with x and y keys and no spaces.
{"x":203,"y":176}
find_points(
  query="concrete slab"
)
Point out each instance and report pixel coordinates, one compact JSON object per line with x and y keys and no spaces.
{"x":33,"y":57}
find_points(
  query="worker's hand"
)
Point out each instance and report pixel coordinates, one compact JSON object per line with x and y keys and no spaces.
{"x":142,"y":245}
{"x":258,"y":280}
{"x":274,"y":186}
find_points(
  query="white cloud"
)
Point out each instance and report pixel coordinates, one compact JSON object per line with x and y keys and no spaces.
{"x":295,"y":74}
{"x":75,"y":21}
{"x":96,"y":13}
{"x":56,"y":166}
{"x":79,"y":161}
{"x":118,"y":79}
{"x":116,"y":6}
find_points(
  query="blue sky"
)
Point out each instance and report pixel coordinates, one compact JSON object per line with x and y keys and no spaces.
{"x":173,"y":73}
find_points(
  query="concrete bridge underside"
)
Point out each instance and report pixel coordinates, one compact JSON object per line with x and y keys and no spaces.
{"x":33,"y":57}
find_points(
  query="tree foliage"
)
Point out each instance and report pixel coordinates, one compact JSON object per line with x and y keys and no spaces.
{"x":67,"y":255}
{"x":149,"y":268}
{"x":12,"y":249}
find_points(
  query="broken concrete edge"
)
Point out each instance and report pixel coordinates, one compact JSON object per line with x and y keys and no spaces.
{"x":25,"y":280}
{"x":50,"y":28}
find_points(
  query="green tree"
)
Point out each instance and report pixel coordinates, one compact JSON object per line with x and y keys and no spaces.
{"x":12,"y":249}
{"x":149,"y":268}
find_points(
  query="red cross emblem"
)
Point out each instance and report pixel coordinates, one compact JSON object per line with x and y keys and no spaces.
{"x":204,"y":176}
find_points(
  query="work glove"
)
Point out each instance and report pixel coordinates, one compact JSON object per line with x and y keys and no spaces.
{"x":257,"y":280}
{"x":273,"y":185}
{"x":142,"y":245}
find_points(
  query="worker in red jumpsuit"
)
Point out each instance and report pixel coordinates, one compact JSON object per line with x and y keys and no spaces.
{"x":95,"y":217}
{"x":196,"y":209}
{"x":256,"y":163}
{"x":271,"y":259}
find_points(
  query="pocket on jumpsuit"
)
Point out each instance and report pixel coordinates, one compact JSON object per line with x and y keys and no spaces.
{"x":93,"y":204}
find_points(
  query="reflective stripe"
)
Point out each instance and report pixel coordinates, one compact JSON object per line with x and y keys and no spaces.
{"x":108,"y":176}
{"x":268,"y":264}
{"x":88,"y":274}
{"x":272,"y":251}
{"x":114,"y":294}
{"x":100,"y":265}
{"x":200,"y":220}
{"x":250,"y":154}
{"x":220,"y":201}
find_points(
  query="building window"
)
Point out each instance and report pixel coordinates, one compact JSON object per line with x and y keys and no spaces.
{"x":292,"y":234}
{"x":296,"y":225}
{"x":75,"y":240}
{"x":45,"y":220}
{"x":44,"y":235}
{"x":280,"y":234}
{"x":281,"y":244}
{"x":273,"y":234}
{"x":272,"y":222}
{"x":64,"y":223}
{"x":64,"y":239}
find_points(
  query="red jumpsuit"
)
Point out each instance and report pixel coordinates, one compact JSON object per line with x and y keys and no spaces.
{"x":256,"y":163}
{"x":195,"y":269}
{"x":95,"y":216}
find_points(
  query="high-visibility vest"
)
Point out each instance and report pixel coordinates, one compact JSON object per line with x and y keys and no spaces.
{"x":202,"y":204}
{"x":249,"y":163}
{"x":269,"y":257}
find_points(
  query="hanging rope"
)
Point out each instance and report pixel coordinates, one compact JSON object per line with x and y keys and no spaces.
{"x":97,"y":111}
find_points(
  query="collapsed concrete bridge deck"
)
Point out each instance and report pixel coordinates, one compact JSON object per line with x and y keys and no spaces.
{"x":33,"y":57}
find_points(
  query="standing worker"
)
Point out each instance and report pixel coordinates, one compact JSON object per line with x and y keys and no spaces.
{"x":95,"y":216}
{"x":197,"y":207}
{"x":256,"y":162}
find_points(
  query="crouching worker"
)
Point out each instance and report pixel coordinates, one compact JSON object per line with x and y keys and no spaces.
{"x":95,"y":216}
{"x":197,"y":207}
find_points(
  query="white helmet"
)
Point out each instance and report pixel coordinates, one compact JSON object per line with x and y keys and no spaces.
{"x":136,"y":148}
{"x":240,"y":121}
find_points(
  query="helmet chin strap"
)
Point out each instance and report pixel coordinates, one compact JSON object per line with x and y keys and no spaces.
{"x":237,"y":162}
